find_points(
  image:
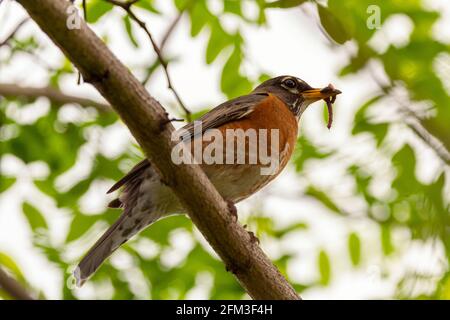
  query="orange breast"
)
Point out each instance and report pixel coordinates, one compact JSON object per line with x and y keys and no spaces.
{"x":271,"y":113}
{"x":236,"y":180}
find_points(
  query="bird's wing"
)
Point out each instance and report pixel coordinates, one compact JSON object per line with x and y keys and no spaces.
{"x":231,"y":110}
{"x":134,"y":172}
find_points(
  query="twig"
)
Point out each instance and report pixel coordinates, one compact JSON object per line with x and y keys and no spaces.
{"x":414,"y":123}
{"x":164,"y":40}
{"x":53,"y":94}
{"x":85,"y":11}
{"x":14,"y":32}
{"x":12,"y":287}
{"x":170,"y":29}
{"x":127,"y":7}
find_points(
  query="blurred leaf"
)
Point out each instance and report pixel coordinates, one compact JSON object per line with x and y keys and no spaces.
{"x":218,"y":40}
{"x":200,"y":15}
{"x":129,"y":29}
{"x":363,"y":180}
{"x":304,"y":151}
{"x":362,"y":124}
{"x":324,"y":268}
{"x":6,"y":183}
{"x":96,"y":9}
{"x":323,"y":198}
{"x":285,"y":3}
{"x":405,"y":162}
{"x":386,"y":241}
{"x":147,"y":5}
{"x":34,"y":217}
{"x":354,"y":247}
{"x":232,"y":83}
{"x":80,"y":225}
{"x":232,"y":6}
{"x":294,"y":227}
{"x":332,"y":25}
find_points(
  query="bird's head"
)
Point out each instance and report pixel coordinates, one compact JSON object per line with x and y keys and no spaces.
{"x":296,"y":93}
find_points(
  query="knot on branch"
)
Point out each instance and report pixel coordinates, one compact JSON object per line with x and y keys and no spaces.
{"x":94,"y":78}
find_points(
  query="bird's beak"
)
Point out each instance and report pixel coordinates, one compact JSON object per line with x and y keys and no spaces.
{"x":319,"y":94}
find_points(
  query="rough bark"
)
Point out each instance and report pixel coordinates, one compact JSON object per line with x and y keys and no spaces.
{"x":147,"y":121}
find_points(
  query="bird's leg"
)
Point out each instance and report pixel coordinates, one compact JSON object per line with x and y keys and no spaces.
{"x":253,"y":237}
{"x":329,"y":102}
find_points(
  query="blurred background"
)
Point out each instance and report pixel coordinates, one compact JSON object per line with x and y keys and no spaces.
{"x":361,"y":212}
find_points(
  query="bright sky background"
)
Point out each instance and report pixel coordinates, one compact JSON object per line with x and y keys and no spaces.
{"x":309,"y":56}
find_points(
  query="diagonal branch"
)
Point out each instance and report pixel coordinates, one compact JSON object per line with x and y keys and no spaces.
{"x":170,"y":29}
{"x":14,"y":32}
{"x":12,"y":287}
{"x":147,"y":121}
{"x":53,"y":94}
{"x":127,"y":7}
{"x":164,"y":41}
{"x":414,"y":122}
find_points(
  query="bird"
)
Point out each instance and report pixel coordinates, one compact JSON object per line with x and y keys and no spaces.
{"x":277,"y":103}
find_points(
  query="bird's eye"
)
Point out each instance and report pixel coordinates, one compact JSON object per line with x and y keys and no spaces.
{"x":290,"y":83}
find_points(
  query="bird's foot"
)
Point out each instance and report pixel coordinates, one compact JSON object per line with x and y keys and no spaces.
{"x":253,"y":238}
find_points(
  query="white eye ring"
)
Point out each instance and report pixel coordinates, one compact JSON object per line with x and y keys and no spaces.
{"x":290,"y":83}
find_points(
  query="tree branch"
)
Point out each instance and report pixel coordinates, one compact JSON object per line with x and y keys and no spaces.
{"x":127,"y":7}
{"x":14,"y":32}
{"x":12,"y":287}
{"x":170,"y":29}
{"x":414,"y":122}
{"x":164,"y":41}
{"x":147,"y":121}
{"x":54,"y":95}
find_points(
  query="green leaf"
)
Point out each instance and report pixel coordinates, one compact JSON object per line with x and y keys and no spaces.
{"x":285,"y":3}
{"x":6,"y":183}
{"x":34,"y":217}
{"x":96,"y":9}
{"x":386,"y":241}
{"x":80,"y":225}
{"x":129,"y":29}
{"x":199,"y":17}
{"x":304,"y":151}
{"x":405,"y":163}
{"x":219,"y":39}
{"x":332,"y":25}
{"x":294,"y":227}
{"x":324,"y":268}
{"x":232,"y":6}
{"x":323,"y":198}
{"x":232,"y":83}
{"x":354,"y":248}
{"x":362,"y":124}
{"x":147,"y":5}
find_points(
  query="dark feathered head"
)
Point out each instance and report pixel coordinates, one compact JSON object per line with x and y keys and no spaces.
{"x":295,"y":92}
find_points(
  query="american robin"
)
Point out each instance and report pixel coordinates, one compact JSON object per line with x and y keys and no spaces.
{"x":276,"y":105}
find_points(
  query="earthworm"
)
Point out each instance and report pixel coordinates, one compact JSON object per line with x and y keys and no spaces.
{"x":329,"y":102}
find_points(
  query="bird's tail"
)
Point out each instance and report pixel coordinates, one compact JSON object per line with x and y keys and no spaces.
{"x":137,"y":214}
{"x":101,"y":250}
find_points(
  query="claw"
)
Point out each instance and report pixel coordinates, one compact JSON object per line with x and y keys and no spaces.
{"x":253,"y":238}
